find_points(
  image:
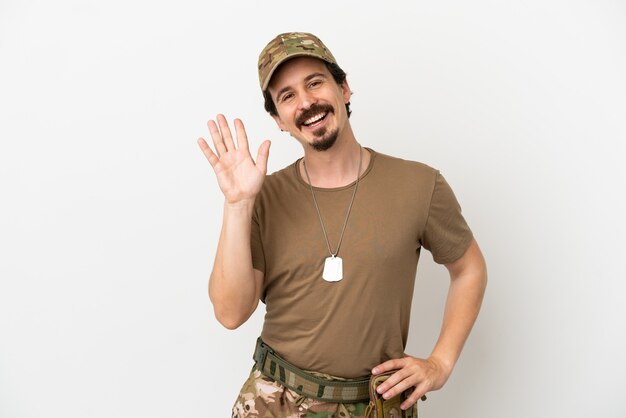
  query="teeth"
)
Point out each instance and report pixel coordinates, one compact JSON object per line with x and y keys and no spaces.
{"x":314,"y":119}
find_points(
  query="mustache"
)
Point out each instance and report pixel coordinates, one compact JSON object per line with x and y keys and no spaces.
{"x":315,"y":109}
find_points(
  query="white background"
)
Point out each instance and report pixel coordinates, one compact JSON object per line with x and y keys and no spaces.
{"x":110,"y":214}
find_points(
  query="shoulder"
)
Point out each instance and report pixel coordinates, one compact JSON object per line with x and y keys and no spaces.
{"x":405,"y":171}
{"x":391,"y":162}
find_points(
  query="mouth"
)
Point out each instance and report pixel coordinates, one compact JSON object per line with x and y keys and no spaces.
{"x":315,"y":120}
{"x":314,"y":117}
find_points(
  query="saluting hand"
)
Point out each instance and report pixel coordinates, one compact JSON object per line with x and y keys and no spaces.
{"x":238,"y":176}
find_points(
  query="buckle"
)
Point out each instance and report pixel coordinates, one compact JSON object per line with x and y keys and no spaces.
{"x":260,"y":353}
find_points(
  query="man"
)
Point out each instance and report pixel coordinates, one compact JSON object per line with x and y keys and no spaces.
{"x":330,"y":244}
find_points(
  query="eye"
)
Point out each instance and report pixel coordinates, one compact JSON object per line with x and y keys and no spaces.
{"x":286,"y":96}
{"x":315,"y":83}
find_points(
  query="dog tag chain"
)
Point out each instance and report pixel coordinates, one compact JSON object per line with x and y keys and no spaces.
{"x":333,"y":265}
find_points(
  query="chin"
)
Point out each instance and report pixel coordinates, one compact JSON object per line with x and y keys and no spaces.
{"x":326,"y":142}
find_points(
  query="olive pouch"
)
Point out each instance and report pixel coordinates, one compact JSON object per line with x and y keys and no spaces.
{"x":380,"y":407}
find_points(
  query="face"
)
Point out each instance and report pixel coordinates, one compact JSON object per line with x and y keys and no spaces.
{"x":310,"y":104}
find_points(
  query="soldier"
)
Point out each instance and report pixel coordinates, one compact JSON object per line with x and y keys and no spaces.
{"x":330,"y":244}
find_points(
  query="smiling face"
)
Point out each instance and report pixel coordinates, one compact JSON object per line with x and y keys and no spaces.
{"x":309,"y":103}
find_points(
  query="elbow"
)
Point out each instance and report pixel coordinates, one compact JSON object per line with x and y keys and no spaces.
{"x":229,"y":323}
{"x":484,"y":276}
{"x":229,"y":320}
{"x":231,"y":308}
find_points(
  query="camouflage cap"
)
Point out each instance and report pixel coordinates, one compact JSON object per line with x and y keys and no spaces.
{"x":286,"y":46}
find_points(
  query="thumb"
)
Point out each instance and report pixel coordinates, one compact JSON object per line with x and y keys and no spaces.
{"x":262,"y":155}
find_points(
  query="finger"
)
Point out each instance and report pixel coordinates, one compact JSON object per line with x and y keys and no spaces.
{"x":388,"y":365}
{"x":418,"y":393}
{"x":208,"y":152}
{"x":262,"y":156}
{"x":225,"y":131}
{"x":220,"y":148}
{"x":396,"y":384}
{"x":242,"y":138}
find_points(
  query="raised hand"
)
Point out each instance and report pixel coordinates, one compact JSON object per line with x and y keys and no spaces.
{"x":238,"y":176}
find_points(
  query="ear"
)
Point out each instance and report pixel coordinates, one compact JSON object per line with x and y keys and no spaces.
{"x":280,"y":123}
{"x":345,"y":91}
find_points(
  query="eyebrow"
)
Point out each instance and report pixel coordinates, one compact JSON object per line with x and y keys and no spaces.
{"x":307,"y":78}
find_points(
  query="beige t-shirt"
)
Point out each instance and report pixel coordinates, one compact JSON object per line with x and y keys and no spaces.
{"x":346,"y":328}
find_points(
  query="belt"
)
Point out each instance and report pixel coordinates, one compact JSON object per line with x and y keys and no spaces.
{"x":306,"y":384}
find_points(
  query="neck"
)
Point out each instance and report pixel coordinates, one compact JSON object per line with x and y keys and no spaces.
{"x":338,"y":165}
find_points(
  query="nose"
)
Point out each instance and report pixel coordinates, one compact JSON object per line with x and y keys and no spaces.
{"x":306,"y":100}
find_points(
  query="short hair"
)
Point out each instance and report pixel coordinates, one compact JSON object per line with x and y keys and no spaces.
{"x":338,"y":74}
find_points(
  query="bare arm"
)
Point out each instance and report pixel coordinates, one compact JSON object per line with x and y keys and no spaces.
{"x":468,"y":279}
{"x":234,"y":286}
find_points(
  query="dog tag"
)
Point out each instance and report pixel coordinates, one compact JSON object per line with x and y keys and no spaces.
{"x":333,"y":269}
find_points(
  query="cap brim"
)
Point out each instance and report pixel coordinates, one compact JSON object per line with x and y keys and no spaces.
{"x":277,"y":64}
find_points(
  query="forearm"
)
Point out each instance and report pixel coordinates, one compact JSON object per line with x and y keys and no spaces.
{"x":465,"y":296}
{"x":232,"y":286}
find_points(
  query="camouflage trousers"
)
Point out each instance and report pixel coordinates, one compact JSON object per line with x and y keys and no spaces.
{"x":262,"y":397}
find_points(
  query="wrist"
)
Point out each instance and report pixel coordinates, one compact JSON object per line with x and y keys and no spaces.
{"x":446,"y":365}
{"x":242,"y":209}
{"x":242,"y":204}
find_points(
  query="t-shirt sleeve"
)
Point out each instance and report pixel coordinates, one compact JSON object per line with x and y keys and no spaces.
{"x":446,"y":234}
{"x":256,"y":245}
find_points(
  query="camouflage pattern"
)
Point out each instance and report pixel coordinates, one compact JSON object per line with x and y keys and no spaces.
{"x":306,"y":383}
{"x":290,"y":45}
{"x":262,"y":397}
